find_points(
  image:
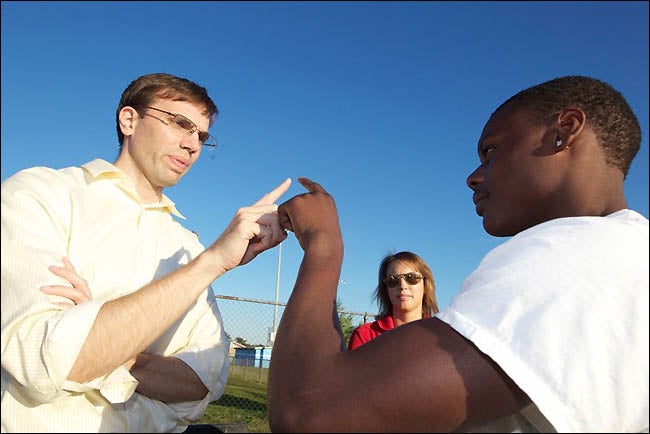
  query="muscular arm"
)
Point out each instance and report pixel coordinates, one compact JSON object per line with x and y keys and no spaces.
{"x":422,"y":376}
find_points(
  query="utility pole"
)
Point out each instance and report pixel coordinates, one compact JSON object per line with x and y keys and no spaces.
{"x":277,"y":296}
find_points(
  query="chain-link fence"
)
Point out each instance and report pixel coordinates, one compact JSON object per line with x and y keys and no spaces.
{"x":251,"y":325}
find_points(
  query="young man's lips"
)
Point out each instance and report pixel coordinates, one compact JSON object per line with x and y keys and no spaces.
{"x":477,"y":203}
{"x":479,"y":209}
{"x":478,"y":197}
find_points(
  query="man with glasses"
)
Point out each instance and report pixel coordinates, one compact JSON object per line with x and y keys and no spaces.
{"x":109,"y":323}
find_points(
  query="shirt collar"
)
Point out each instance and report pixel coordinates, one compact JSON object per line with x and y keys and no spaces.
{"x":386,"y":322}
{"x":102,"y":169}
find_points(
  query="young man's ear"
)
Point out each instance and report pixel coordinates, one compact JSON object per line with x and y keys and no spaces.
{"x":128,"y":117}
{"x":570,"y":124}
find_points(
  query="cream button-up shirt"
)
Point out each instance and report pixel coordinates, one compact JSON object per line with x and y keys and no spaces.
{"x":92,"y":215}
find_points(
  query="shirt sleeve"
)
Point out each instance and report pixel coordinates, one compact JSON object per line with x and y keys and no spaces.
{"x":40,"y":341}
{"x":207,"y":354}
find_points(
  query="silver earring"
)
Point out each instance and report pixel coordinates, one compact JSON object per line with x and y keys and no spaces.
{"x":558,"y":143}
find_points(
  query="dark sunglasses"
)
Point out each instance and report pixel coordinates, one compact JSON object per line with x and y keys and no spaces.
{"x":411,"y":278}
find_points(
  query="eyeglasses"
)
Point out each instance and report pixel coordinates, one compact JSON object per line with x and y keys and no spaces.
{"x":411,"y":278}
{"x":183,"y":124}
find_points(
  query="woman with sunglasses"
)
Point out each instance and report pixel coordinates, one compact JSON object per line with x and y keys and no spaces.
{"x":405,"y":292}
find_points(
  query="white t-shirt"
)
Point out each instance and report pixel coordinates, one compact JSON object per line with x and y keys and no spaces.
{"x":562,"y":308}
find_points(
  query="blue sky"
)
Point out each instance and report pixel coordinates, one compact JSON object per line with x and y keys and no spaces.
{"x":381,"y":102}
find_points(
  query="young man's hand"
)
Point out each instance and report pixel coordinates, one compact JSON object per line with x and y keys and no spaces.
{"x":313,"y":218}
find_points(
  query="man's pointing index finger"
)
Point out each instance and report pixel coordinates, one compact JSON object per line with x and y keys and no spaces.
{"x":275,"y":194}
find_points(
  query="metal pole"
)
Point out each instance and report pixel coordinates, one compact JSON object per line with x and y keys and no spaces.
{"x":277,"y":292}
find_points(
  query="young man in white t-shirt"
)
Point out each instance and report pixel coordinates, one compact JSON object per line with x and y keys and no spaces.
{"x":549,"y":333}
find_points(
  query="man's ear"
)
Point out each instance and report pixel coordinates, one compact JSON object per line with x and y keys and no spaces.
{"x":128,"y":118}
{"x":570,"y":125}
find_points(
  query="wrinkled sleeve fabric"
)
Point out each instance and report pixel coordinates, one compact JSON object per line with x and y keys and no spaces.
{"x":40,"y":342}
{"x":207,"y":355}
{"x":563,"y":309}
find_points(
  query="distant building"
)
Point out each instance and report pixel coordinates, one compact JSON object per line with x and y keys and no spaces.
{"x":233,"y":347}
{"x":253,"y":356}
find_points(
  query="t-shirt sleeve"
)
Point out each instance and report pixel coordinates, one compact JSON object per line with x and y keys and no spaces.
{"x":563,"y":309}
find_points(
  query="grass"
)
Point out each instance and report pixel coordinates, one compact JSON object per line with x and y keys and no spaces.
{"x":243,"y":401}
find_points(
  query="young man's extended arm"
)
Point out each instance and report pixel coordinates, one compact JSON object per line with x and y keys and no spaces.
{"x":422,"y":376}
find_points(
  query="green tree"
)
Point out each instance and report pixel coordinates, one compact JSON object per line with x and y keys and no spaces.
{"x":347,"y":326}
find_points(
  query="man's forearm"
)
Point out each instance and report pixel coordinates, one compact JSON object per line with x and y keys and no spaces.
{"x":167,"y":379}
{"x":139,"y":318}
{"x":313,"y":302}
